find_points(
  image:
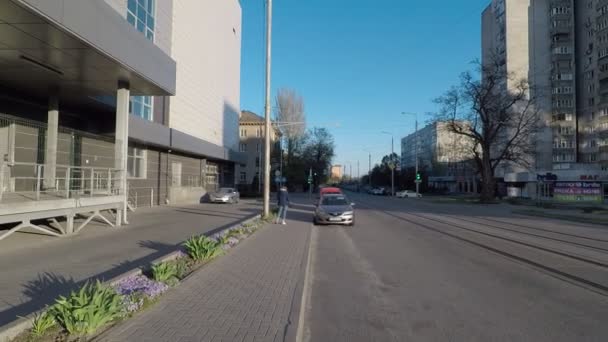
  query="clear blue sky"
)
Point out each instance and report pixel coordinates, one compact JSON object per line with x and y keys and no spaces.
{"x":359,"y":63}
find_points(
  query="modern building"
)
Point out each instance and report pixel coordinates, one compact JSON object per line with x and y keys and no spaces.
{"x":88,"y":116}
{"x":336,"y":172}
{"x":561,"y":48}
{"x":442,"y":155}
{"x":251,"y":143}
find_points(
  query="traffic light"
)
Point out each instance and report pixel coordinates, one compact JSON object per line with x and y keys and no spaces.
{"x":418,"y":176}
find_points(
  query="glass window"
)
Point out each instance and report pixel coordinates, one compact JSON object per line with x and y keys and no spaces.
{"x":141,"y":106}
{"x":136,"y":162}
{"x":132,"y":6}
{"x":144,"y":11}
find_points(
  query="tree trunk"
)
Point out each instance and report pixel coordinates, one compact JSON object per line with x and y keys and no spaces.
{"x":488,"y":184}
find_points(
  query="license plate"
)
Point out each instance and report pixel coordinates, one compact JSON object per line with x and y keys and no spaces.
{"x":335,"y":219}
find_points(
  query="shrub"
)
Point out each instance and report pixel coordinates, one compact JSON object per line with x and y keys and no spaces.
{"x":42,"y":323}
{"x":165,"y":272}
{"x":202,"y":248}
{"x":85,"y":311}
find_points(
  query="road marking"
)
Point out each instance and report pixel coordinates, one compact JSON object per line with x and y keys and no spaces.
{"x":303,"y":334}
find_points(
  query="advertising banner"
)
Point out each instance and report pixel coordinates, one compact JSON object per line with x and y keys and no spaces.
{"x":578,"y":191}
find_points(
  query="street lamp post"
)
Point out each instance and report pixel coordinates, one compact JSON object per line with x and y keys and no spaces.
{"x":416,"y":151}
{"x":267,"y":110}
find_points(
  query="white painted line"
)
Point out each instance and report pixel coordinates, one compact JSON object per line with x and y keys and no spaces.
{"x":303,"y":334}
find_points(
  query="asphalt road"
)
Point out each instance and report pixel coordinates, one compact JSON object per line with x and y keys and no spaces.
{"x":415,"y":271}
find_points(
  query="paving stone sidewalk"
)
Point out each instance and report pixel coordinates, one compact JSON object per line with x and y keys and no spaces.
{"x":245,"y":295}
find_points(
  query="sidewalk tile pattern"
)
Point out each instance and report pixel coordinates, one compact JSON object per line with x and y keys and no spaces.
{"x":245,"y":295}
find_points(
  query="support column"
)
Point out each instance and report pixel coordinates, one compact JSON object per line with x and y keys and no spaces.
{"x":52,"y":132}
{"x":121,"y":144}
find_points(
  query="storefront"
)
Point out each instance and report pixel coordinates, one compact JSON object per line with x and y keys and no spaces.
{"x":566,"y":186}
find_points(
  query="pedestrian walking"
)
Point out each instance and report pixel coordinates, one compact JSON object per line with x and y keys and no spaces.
{"x":283,"y":202}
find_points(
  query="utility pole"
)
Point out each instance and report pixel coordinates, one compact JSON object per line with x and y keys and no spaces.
{"x":417,"y":180}
{"x":267,"y":109}
{"x":392,"y":166}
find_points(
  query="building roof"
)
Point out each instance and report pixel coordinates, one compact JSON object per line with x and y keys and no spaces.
{"x":250,"y":117}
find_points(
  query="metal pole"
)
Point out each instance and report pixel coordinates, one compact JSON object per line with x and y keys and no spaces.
{"x":38,"y":172}
{"x":417,"y":182}
{"x":393,"y":167}
{"x":369,"y":169}
{"x":260,"y":169}
{"x":310,"y":183}
{"x":267,"y":110}
{"x":92,"y":180}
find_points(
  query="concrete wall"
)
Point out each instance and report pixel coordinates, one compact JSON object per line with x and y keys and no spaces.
{"x":540,"y":79}
{"x":206,"y":40}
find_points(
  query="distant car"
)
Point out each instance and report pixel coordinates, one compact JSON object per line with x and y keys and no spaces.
{"x":334,"y":209}
{"x":378,"y":191}
{"x":407,"y":194}
{"x":225,"y":195}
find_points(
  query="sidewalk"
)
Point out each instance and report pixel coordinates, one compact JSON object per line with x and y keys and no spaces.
{"x":250,"y":294}
{"x":35,"y":269}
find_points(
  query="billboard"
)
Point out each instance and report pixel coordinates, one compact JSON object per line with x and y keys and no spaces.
{"x":578,"y":191}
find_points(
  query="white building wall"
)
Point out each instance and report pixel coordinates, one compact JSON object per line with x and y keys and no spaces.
{"x":206,"y":43}
{"x":119,"y":6}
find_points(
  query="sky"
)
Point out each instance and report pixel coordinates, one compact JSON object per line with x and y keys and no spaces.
{"x":358,"y":64}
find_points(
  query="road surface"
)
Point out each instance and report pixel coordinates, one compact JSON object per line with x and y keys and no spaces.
{"x":411,"y":270}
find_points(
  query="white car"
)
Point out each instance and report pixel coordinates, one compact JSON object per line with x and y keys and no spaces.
{"x":407,"y":194}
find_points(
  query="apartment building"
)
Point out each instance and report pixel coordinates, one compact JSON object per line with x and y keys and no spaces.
{"x":561,"y":48}
{"x":251,"y":143}
{"x":336,"y":173}
{"x":442,"y":155}
{"x":111,"y":102}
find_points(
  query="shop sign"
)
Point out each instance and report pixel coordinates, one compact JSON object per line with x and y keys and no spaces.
{"x":578,"y":192}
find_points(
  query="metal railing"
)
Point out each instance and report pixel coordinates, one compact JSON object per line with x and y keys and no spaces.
{"x":141,"y":197}
{"x":32,"y":181}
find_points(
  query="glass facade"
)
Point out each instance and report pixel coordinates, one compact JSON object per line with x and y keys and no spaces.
{"x":141,"y":14}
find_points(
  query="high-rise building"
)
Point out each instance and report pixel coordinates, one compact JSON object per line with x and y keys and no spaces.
{"x":442,"y":155}
{"x":122,"y":103}
{"x":561,"y":48}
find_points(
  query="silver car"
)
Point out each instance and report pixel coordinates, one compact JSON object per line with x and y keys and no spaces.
{"x":225,"y":195}
{"x":334,"y":209}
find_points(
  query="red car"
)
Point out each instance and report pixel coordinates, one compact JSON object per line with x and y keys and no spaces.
{"x":330,"y":191}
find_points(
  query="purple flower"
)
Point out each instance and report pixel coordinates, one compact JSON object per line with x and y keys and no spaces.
{"x":232,"y":241}
{"x":140,"y":285}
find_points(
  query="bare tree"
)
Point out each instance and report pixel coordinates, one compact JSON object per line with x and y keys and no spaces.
{"x":291,"y":118}
{"x":497,"y":113}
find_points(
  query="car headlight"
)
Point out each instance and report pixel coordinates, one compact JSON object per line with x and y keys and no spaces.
{"x":348,"y":213}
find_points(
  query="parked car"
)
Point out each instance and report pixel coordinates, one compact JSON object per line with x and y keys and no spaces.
{"x":407,"y":194}
{"x":334,"y":209}
{"x":225,"y":195}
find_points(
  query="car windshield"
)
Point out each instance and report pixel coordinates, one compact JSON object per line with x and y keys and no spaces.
{"x":224,"y":190}
{"x":334,"y":200}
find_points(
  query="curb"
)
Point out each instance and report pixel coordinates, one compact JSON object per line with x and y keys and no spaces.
{"x":13,"y":329}
{"x":594,"y":221}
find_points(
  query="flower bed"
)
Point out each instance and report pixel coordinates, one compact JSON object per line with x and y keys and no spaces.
{"x":96,"y":306}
